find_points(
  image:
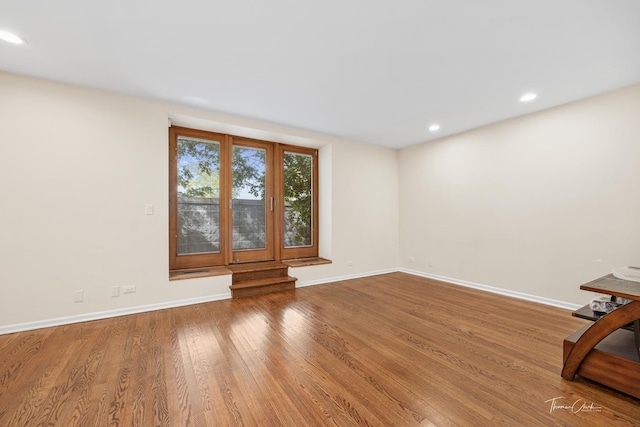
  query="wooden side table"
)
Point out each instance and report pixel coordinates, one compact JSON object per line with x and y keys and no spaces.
{"x":607,"y":351}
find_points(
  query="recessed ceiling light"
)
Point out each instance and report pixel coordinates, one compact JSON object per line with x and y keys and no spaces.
{"x":434,"y":127}
{"x":528,"y":97}
{"x":10,"y":37}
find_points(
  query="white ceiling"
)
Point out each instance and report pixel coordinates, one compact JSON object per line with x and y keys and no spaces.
{"x":376,"y":71}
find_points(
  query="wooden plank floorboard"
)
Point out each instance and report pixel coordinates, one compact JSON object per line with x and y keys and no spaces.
{"x":428,"y":365}
{"x":387,"y":350}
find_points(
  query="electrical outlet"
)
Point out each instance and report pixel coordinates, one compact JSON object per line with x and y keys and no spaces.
{"x":349,"y":263}
{"x":128,"y":289}
{"x":78,"y":296}
{"x":412,"y":259}
{"x":115,"y":291}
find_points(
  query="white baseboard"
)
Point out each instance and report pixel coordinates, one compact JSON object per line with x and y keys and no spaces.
{"x":347,"y":277}
{"x":501,"y":291}
{"x":227,"y":295}
{"x":28,"y":326}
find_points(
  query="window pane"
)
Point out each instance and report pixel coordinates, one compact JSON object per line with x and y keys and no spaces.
{"x":198,"y":196}
{"x":298,"y":206}
{"x":249,"y":183}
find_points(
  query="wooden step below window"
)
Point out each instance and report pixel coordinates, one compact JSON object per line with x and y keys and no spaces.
{"x":260,"y":278}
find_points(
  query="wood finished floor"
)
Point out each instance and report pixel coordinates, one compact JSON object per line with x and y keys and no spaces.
{"x":390,"y":350}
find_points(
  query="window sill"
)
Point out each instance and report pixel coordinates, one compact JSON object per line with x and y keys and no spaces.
{"x":305,"y":262}
{"x":194,"y":273}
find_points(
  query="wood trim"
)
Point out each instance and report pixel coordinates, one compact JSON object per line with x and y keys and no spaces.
{"x":275,"y":249}
{"x":173,"y":197}
{"x":306,"y":262}
{"x":267,"y":253}
{"x":228,"y":226}
{"x":176,"y":261}
{"x":306,"y":251}
{"x":193,"y":273}
{"x":278,"y":195}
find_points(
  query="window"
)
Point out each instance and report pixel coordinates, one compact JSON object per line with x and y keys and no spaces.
{"x":299,"y":173}
{"x":234,"y":199}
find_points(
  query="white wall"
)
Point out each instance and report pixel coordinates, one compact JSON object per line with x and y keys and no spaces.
{"x":78,"y":166}
{"x":364,"y":216}
{"x":524,"y":205}
{"x":527,"y":204}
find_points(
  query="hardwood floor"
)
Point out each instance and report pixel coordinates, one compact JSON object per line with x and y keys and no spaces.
{"x":390,"y":350}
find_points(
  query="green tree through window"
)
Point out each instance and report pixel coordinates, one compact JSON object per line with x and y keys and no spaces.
{"x":298,"y":199}
{"x":235,"y":199}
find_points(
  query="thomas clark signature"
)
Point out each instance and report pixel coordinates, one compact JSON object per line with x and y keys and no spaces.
{"x":577,"y":406}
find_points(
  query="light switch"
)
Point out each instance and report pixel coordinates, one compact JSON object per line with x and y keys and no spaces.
{"x":148,"y":209}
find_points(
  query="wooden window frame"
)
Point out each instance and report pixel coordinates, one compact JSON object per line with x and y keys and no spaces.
{"x":271,"y":246}
{"x":300,"y":251}
{"x":224,"y":256}
{"x":188,"y":261}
